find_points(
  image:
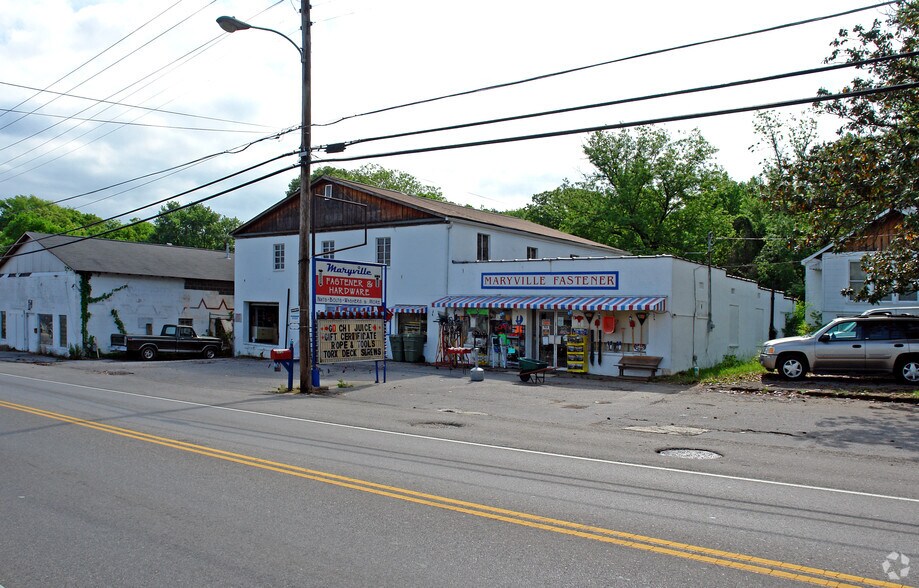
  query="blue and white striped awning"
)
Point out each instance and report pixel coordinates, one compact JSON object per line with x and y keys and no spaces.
{"x":410,"y":308}
{"x":608,"y":303}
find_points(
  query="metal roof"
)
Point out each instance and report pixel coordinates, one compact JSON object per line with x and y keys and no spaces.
{"x":104,"y":256}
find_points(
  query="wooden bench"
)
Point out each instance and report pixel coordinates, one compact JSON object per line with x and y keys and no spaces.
{"x":639,"y":362}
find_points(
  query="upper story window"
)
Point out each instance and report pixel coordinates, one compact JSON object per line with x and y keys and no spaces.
{"x":384,"y":250}
{"x":532,"y":253}
{"x":278,"y":256}
{"x":857,"y":279}
{"x":856,"y":276}
{"x":327,"y":190}
{"x":327,"y":248}
{"x":482,"y":247}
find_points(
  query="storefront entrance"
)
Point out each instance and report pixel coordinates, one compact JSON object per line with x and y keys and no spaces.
{"x":553,"y":328}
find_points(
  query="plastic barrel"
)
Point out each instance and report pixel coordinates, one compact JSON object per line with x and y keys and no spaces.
{"x":414,"y":347}
{"x":396,"y":343}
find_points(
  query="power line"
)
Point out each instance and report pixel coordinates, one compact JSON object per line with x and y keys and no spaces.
{"x":82,"y":65}
{"x":188,"y":164}
{"x":106,"y":68}
{"x":100,"y":101}
{"x":611,"y":61}
{"x":176,"y":63}
{"x":156,"y":216}
{"x":136,"y":124}
{"x":640,"y":123}
{"x":337,"y":147}
{"x":174,"y":196}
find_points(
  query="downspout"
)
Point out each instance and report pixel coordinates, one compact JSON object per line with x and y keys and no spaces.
{"x":447,"y":260}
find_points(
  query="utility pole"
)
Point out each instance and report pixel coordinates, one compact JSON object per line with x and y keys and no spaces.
{"x":309,"y":375}
{"x":304,"y":268}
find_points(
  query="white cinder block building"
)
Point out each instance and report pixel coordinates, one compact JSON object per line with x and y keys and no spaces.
{"x":506,"y":287}
{"x":61,"y":292}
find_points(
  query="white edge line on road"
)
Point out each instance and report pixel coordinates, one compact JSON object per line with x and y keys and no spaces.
{"x":483,"y":445}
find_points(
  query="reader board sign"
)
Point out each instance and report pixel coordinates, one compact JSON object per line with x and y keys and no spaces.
{"x":348,"y":283}
{"x":342,"y":340}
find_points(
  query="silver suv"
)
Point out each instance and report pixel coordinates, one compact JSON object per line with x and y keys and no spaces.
{"x":874,"y":343}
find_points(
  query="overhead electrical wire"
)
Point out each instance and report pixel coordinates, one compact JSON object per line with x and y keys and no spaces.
{"x":625,"y":125}
{"x":148,"y":79}
{"x":154,"y":39}
{"x":611,"y":61}
{"x":340,"y":146}
{"x":556,"y":133}
{"x":84,"y":64}
{"x":232,"y":151}
{"x":134,"y":106}
{"x":814,"y":99}
{"x":136,"y":124}
{"x":80,"y":239}
{"x":172,"y":197}
{"x":164,"y":70}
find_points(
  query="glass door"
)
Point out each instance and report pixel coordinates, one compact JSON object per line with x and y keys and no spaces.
{"x":552,"y":329}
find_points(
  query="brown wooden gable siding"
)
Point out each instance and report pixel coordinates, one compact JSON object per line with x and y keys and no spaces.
{"x":331,"y":215}
{"x":878,"y":235}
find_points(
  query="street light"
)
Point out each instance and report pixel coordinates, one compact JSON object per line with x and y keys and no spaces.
{"x":309,"y":374}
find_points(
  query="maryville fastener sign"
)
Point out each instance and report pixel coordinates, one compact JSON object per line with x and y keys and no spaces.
{"x":343,"y":340}
{"x":551,"y":280}
{"x":348,"y":283}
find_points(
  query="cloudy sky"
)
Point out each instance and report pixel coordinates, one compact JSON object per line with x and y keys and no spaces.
{"x":145,"y":87}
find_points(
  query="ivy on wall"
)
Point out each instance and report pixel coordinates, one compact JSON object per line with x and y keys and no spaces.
{"x":118,"y":322}
{"x":86,"y":298}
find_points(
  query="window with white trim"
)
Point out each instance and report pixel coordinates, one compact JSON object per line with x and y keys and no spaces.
{"x":278,"y":257}
{"x":532,"y":253}
{"x":384,"y":250}
{"x":327,"y":248}
{"x":856,"y":276}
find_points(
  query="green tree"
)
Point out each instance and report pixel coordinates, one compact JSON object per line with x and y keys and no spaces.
{"x":375,"y":175}
{"x":195,"y":226}
{"x":20,"y":214}
{"x":649,"y":193}
{"x":837,"y":188}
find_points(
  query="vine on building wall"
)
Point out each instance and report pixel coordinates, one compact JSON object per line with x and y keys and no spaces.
{"x":118,"y":323}
{"x":86,"y":298}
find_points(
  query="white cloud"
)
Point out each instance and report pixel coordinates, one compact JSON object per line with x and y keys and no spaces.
{"x":369,"y":54}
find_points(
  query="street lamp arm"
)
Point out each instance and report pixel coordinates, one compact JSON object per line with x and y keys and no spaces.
{"x":231,"y":25}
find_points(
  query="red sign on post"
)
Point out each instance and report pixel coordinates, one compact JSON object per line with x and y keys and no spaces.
{"x":348,"y":283}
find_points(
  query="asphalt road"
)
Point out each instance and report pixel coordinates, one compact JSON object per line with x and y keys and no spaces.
{"x":195,"y":473}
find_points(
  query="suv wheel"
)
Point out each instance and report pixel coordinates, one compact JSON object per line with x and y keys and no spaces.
{"x":792,"y":367}
{"x":907,"y":370}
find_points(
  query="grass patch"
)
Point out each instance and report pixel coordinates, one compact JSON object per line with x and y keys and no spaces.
{"x":730,"y":369}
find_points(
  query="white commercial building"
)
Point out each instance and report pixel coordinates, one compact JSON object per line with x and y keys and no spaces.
{"x":504,"y":288}
{"x":60,"y":293}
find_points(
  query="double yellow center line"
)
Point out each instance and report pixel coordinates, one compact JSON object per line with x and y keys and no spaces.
{"x":706,"y":555}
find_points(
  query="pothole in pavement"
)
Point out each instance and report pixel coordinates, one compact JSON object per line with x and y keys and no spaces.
{"x":438,"y":424}
{"x":458,"y":411}
{"x":667,"y":430}
{"x":686,"y":453}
